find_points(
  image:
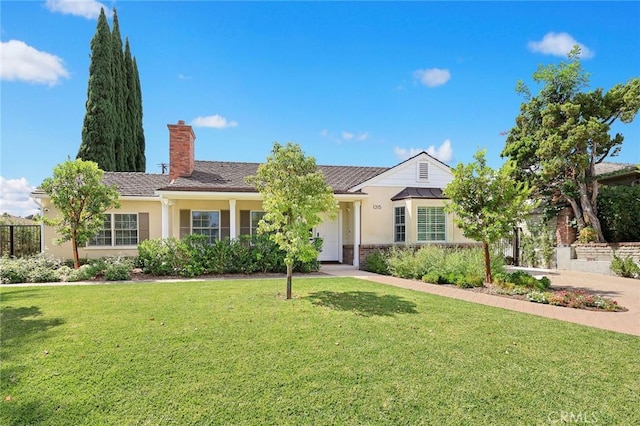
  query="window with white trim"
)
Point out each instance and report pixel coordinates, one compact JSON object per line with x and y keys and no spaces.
{"x":206,"y":223}
{"x":255,"y":216}
{"x":118,"y":229}
{"x":431,"y":224}
{"x":422,"y":171}
{"x":399,"y":225}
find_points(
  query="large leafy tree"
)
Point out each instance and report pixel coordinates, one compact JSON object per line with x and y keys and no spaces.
{"x":294,"y":194}
{"x":562,"y":132}
{"x":77,"y":192}
{"x":487,"y":204}
{"x":98,"y":138}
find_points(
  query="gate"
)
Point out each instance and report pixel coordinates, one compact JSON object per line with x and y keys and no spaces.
{"x":510,"y":247}
{"x":20,"y":240}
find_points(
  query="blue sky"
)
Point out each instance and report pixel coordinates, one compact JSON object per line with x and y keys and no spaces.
{"x":358,"y":83}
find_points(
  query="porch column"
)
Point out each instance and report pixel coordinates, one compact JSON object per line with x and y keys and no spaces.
{"x":165,"y":217}
{"x":232,"y":219}
{"x":356,"y":234}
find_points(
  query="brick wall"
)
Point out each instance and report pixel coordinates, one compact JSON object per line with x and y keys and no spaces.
{"x":603,"y":251}
{"x":565,"y":233}
{"x":347,"y":254}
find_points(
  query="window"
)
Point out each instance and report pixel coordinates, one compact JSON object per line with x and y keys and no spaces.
{"x":118,"y":229}
{"x":399,"y":227}
{"x":256,"y":216}
{"x":431,"y":224}
{"x":206,"y":223}
{"x":423,"y":171}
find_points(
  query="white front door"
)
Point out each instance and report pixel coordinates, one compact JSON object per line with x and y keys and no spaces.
{"x":329,"y":231}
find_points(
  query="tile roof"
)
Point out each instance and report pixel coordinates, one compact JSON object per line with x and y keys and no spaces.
{"x":224,"y":176}
{"x":606,"y":168}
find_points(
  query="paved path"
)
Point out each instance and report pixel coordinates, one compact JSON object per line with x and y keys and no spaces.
{"x":625,"y":291}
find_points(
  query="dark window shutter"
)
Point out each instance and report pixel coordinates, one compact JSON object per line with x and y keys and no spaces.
{"x":245,"y":222}
{"x":143,"y":227}
{"x":225,"y":227}
{"x":185,"y":223}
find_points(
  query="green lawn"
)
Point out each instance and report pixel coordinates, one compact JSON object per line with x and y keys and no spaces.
{"x":344,"y":351}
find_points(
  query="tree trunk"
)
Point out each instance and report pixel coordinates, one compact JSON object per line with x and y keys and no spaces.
{"x":577,"y":213}
{"x":289,"y":277}
{"x":589,"y":212}
{"x":74,"y":245}
{"x":487,"y":263}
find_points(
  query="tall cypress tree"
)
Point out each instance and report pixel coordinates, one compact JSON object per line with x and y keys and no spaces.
{"x":131,"y":109}
{"x":123,"y":147}
{"x":141,"y":163}
{"x":97,"y":130}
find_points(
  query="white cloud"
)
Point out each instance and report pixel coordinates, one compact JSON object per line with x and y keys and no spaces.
{"x":432,"y":77}
{"x":559,"y":44}
{"x":14,"y":197}
{"x":89,"y":9}
{"x":349,"y":136}
{"x":215,"y":121}
{"x":443,"y":153}
{"x":19,"y":61}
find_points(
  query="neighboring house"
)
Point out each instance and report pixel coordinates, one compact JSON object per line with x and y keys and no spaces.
{"x":378,"y":206}
{"x":617,"y":174}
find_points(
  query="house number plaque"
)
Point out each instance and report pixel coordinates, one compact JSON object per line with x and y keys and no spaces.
{"x":377,"y":207}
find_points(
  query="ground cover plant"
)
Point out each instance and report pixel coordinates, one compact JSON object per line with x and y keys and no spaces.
{"x":343,"y":351}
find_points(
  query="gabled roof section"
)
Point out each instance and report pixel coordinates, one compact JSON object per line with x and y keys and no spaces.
{"x":223,"y":176}
{"x":419,"y":193}
{"x":420,"y":157}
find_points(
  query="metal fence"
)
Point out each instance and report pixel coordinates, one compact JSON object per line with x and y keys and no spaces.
{"x":19,"y":240}
{"x":510,"y":247}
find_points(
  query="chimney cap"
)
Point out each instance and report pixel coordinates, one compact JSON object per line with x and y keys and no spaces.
{"x":181,"y":122}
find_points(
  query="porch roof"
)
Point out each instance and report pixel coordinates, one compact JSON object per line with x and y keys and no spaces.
{"x":419,"y":193}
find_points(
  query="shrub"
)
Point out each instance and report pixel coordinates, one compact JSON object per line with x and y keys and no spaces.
{"x":522,"y":279}
{"x":626,"y":267}
{"x":618,"y":211}
{"x":537,"y":296}
{"x":376,"y":262}
{"x":163,"y":256}
{"x":117,"y":269}
{"x":13,"y":270}
{"x":587,"y":235}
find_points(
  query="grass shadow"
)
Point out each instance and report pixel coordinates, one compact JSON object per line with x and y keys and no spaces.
{"x":365,"y":303}
{"x":17,"y":324}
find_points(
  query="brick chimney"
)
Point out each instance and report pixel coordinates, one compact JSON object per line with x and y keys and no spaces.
{"x":181,"y":150}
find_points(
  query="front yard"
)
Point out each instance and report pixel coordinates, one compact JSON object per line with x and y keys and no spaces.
{"x":344,"y":351}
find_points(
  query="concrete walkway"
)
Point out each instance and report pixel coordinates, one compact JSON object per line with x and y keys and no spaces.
{"x":625,"y":291}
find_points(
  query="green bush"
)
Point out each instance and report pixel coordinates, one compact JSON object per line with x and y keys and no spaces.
{"x":443,"y":265}
{"x":376,"y":262}
{"x":163,"y":256}
{"x":626,"y":267}
{"x":587,"y":235}
{"x":618,"y":211}
{"x":521,"y":279}
{"x":117,"y":269}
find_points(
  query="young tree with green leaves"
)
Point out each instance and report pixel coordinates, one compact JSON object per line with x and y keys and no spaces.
{"x":294,"y":194}
{"x":562,"y":133}
{"x":487,"y":204}
{"x":77,"y":192}
{"x":98,"y":137}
